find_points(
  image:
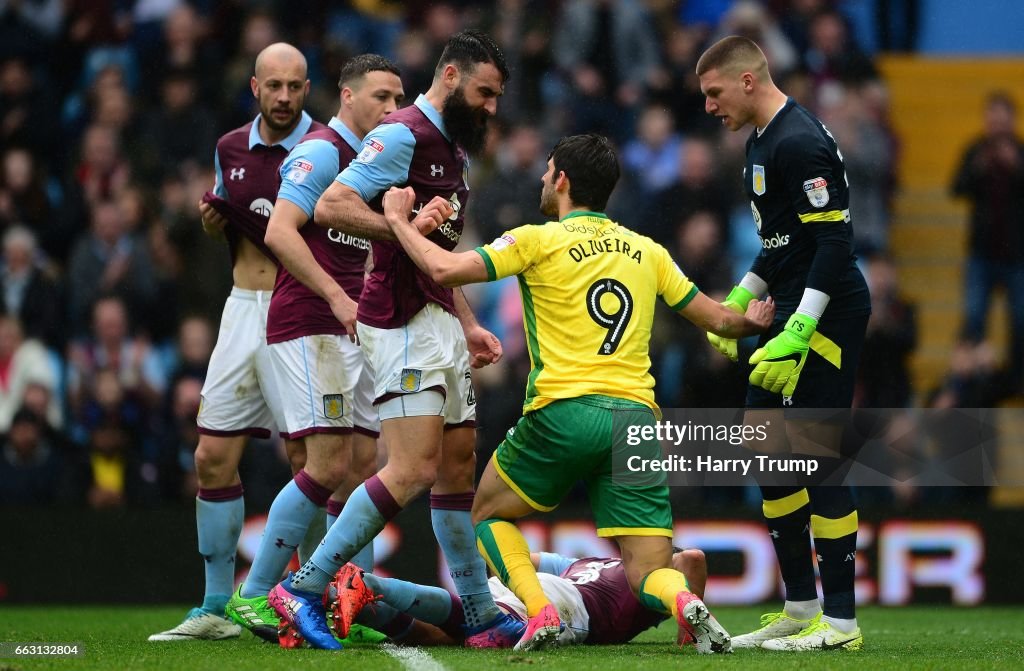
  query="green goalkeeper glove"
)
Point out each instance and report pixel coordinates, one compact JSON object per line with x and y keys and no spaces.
{"x":778,"y":364}
{"x":737,"y":301}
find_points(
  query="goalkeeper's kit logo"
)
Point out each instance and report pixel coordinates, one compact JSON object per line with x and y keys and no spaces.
{"x":775,"y":242}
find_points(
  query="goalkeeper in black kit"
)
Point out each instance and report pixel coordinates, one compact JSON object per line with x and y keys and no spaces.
{"x":796,"y":181}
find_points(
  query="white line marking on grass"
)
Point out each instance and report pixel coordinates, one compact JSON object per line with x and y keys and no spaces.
{"x":413,"y":659}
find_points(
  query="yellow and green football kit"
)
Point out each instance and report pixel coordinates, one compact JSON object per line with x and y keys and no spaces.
{"x":589,"y":288}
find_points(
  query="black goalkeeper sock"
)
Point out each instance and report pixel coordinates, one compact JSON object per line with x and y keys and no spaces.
{"x":787,"y":512}
{"x":834,"y":525}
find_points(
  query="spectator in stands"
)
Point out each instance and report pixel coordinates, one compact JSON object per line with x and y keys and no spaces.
{"x":134,"y":364}
{"x":103,"y":170}
{"x":111,"y":474}
{"x":27,"y":109}
{"x":23,"y":362}
{"x":891,"y":337}
{"x":28,"y":292}
{"x":195,"y":345}
{"x":651,"y":159}
{"x":182,"y":129}
{"x":108,"y":260}
{"x":991,"y":177}
{"x":510,"y":198}
{"x":178,"y":440}
{"x":32,"y":468}
{"x":699,"y":186}
{"x":833,"y":57}
{"x":854,"y":117}
{"x":23,"y":196}
{"x":607,"y":52}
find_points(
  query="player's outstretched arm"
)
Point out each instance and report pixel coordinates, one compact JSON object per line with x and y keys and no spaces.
{"x":449,"y":269}
{"x":718,"y":319}
{"x":284,"y":240}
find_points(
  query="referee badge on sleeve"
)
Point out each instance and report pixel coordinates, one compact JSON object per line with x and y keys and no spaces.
{"x":816,"y":191}
{"x":759,"y":185}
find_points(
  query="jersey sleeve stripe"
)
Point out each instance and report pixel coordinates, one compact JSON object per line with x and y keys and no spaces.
{"x":831,"y":215}
{"x":686,"y":301}
{"x":492,"y":274}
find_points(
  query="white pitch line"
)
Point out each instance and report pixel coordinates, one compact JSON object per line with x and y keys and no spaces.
{"x":413,"y":659}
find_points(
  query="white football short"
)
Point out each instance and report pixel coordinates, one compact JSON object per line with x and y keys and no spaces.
{"x":325,"y":386}
{"x":427,"y":353}
{"x":238,"y":396}
{"x":562,"y":594}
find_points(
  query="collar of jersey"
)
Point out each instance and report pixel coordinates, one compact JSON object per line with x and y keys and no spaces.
{"x":432,"y":114}
{"x":289,"y":142}
{"x":347,"y":135}
{"x":584,"y":213}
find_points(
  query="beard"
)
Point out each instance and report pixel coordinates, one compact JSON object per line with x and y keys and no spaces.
{"x":280,"y":124}
{"x":548,"y":201}
{"x":466,"y":125}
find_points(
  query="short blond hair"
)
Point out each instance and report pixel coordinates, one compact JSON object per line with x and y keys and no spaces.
{"x":733,"y":54}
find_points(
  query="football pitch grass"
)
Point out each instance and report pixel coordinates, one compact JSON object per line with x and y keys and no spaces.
{"x":895,"y":638}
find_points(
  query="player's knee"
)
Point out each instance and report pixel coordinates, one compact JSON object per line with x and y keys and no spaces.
{"x":412,"y":477}
{"x":216,"y":463}
{"x":364,"y":466}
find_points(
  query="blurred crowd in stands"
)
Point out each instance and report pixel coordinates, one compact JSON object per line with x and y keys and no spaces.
{"x":110,"y":294}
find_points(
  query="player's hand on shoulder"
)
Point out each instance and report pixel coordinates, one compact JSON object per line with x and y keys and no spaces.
{"x":761,"y":313}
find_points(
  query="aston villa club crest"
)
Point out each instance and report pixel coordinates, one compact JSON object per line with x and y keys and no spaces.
{"x":759,"y":185}
{"x":334,"y":406}
{"x":410,"y":379}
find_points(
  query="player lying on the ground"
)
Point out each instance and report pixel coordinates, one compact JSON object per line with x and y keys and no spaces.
{"x":592,"y":596}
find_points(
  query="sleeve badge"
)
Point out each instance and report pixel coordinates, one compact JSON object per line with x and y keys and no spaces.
{"x":816,"y":190}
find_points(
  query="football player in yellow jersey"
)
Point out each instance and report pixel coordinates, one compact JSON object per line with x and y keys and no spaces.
{"x":589,"y":287}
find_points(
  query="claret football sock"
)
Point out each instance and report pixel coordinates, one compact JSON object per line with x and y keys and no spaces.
{"x":787,"y":513}
{"x":508,"y":555}
{"x":453,"y":528}
{"x":290,"y":515}
{"x":834,"y":526}
{"x":219,"y":516}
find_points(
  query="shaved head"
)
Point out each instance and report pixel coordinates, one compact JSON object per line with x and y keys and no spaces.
{"x":279,"y":55}
{"x":733,"y":55}
{"x":280,"y":86}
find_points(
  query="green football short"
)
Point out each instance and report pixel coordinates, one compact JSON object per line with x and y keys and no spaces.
{"x":552,"y":448}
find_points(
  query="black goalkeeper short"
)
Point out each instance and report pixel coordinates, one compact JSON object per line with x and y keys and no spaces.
{"x":830,"y":373}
